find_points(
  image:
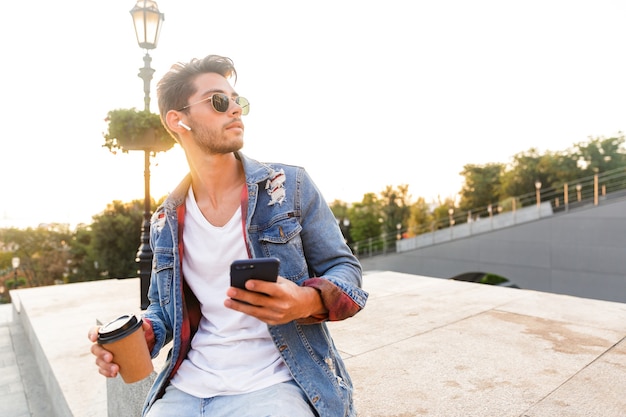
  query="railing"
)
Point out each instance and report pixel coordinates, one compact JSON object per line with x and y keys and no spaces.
{"x":542,"y":202}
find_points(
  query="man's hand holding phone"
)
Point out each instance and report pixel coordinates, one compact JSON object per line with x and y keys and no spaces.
{"x":242,"y":270}
{"x":258,"y":291}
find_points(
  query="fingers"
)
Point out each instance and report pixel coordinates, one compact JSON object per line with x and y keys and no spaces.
{"x":149,"y":334}
{"x":275,"y":303}
{"x":266,"y":287}
{"x":93,"y":334}
{"x":246,"y":301}
{"x":263,"y":313}
{"x":104,"y":361}
{"x":104,"y":358}
{"x":266,"y":302}
{"x":146,"y":325}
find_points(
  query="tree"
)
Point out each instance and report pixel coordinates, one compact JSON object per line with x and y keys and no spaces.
{"x":364,"y":218}
{"x":116,"y":237}
{"x":556,"y":168}
{"x":396,"y":208}
{"x":421,"y":219}
{"x":441,"y":213}
{"x":521,"y":176}
{"x":43,"y":252}
{"x":481,"y":186}
{"x":600,"y":155}
{"x":84,"y":265}
{"x":340,"y":210}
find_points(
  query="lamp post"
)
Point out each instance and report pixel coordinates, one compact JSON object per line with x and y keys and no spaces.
{"x":15,"y":263}
{"x":451,"y":219}
{"x":147,"y":21}
{"x":538,"y":193}
{"x":346,"y":228}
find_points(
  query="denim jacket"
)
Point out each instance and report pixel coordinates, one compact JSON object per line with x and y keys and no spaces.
{"x":285,"y":217}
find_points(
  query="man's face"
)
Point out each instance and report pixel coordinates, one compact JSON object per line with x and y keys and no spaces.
{"x":215,"y":132}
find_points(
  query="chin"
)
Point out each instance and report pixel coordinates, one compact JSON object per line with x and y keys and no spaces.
{"x":238,"y":145}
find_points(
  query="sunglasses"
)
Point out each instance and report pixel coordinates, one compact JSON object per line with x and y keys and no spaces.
{"x":221,"y":103}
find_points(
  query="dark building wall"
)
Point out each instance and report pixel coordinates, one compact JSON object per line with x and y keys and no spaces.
{"x":581,"y":252}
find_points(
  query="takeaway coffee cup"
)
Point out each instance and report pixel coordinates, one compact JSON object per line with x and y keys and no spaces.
{"x":124,"y":338}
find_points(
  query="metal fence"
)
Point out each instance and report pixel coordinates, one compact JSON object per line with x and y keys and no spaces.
{"x":585,"y":191}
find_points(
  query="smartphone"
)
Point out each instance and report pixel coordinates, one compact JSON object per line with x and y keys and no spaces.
{"x":242,"y":270}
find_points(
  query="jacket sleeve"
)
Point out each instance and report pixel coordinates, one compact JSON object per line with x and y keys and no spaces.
{"x":339,"y":305}
{"x":333,"y":269}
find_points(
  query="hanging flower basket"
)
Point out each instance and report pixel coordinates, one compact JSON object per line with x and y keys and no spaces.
{"x":133,"y":130}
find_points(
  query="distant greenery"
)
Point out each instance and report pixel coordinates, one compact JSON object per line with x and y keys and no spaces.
{"x":52,"y":254}
{"x":107,"y":247}
{"x":487,"y":190}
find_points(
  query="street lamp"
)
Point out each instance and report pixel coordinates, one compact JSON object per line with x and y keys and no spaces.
{"x":344,"y":227}
{"x":15,"y":263}
{"x":148,"y":21}
{"x":451,"y":217}
{"x":538,"y":193}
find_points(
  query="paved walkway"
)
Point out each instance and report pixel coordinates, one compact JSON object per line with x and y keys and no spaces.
{"x":22,"y":393}
{"x":422,"y":347}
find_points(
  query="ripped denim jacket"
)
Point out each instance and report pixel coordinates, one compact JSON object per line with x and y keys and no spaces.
{"x":286,"y":217}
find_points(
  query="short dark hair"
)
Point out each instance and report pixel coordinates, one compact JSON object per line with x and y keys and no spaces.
{"x":177,"y":85}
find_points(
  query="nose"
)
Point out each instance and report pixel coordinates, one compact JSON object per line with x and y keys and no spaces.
{"x":242,"y":104}
{"x":235,"y":108}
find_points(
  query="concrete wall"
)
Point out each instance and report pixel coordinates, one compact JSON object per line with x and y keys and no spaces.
{"x":581,"y":252}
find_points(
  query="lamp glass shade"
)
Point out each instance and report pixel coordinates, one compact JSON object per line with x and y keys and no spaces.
{"x":148,"y":21}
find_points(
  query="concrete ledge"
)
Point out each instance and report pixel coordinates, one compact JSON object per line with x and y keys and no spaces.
{"x":437,"y":347}
{"x":56,"y":320}
{"x":127,"y":399}
{"x":422,"y":346}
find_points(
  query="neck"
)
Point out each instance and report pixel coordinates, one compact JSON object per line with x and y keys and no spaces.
{"x":214,"y":176}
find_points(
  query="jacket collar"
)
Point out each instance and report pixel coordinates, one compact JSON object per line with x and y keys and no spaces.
{"x":254,"y":170}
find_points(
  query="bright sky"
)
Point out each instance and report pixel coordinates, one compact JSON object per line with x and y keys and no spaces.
{"x":363,"y":94}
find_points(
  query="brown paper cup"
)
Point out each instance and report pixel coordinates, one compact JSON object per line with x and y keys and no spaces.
{"x":125,"y":339}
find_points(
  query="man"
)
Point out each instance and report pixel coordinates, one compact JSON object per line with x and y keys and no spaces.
{"x":260,"y":351}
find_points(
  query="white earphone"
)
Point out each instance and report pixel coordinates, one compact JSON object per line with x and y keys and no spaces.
{"x":181,"y":124}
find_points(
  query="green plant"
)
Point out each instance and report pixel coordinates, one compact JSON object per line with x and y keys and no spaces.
{"x":493,"y":279}
{"x":130,"y":129}
{"x":10,"y":283}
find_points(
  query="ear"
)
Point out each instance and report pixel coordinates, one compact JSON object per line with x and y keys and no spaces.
{"x":172,"y":118}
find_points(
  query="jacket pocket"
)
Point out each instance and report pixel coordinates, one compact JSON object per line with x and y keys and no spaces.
{"x":281,"y":239}
{"x":164,"y":276}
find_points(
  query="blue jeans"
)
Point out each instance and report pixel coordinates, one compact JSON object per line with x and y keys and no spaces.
{"x":281,"y":400}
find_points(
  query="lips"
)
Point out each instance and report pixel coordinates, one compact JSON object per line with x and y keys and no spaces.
{"x":235,"y":125}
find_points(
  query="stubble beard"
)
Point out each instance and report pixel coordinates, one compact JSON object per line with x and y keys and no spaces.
{"x":213,"y":142}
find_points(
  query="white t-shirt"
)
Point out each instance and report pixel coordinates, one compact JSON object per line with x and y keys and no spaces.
{"x":232,"y":353}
